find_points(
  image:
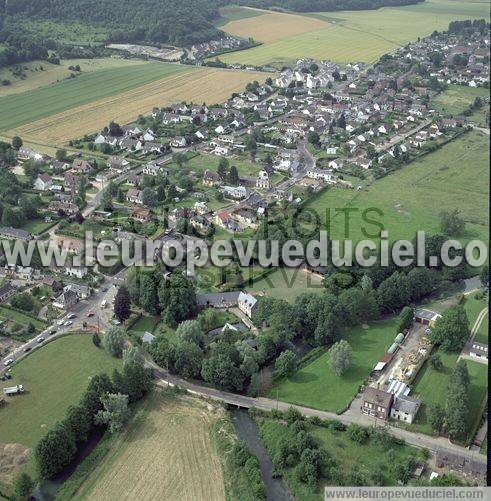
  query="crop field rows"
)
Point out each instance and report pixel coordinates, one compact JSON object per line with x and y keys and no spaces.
{"x":91,"y":113}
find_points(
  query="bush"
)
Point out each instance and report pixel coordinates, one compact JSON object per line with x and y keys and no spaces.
{"x":357,"y":433}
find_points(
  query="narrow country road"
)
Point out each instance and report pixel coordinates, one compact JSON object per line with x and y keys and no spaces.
{"x":416,"y":439}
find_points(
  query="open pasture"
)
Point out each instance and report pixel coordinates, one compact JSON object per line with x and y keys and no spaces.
{"x":412,"y":198}
{"x":347,"y":36}
{"x":105,"y":104}
{"x":54,"y":378}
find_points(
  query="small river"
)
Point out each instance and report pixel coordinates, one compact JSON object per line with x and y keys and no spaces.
{"x":248,"y":432}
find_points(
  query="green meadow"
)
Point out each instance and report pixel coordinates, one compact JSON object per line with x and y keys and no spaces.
{"x":54,"y":378}
{"x":412,"y":198}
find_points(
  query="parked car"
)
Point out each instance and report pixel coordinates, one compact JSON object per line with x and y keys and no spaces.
{"x":27,"y":348}
{"x":90,"y":314}
{"x":67,"y":323}
{"x":40,"y":339}
{"x":72,"y":316}
{"x":116,"y":321}
{"x":51,"y":332}
{"x":8,"y":362}
{"x":61,"y":322}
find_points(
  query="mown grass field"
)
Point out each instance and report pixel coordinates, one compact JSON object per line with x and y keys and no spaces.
{"x":318,"y":387}
{"x":54,"y":377}
{"x":35,"y":77}
{"x":457,"y":98}
{"x":67,"y":110}
{"x":348,"y":36}
{"x":165,"y":454}
{"x":287,"y":283}
{"x":412,"y":198}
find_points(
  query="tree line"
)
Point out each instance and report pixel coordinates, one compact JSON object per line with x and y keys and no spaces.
{"x":104,"y":403}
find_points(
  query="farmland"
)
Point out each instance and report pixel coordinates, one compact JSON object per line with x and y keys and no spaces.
{"x":456,"y":175}
{"x":27,"y":417}
{"x":166,"y":453}
{"x":37,"y":74}
{"x":315,"y":385}
{"x":70,"y":109}
{"x":347,"y":36}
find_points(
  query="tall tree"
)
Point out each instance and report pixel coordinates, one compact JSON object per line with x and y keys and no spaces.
{"x":451,"y":329}
{"x":115,"y":411}
{"x":340,"y":356}
{"x":122,"y":304}
{"x":114,"y":340}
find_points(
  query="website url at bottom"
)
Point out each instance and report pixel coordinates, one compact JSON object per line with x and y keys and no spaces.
{"x":390,"y":493}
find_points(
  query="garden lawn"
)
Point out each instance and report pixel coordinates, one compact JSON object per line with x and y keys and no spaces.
{"x":431,"y":386}
{"x":54,"y":376}
{"x":20,"y":318}
{"x":37,"y":226}
{"x":457,"y":98}
{"x":473,"y":307}
{"x":145,"y":324}
{"x":412,"y":198}
{"x":318,"y":387}
{"x":287,"y":283}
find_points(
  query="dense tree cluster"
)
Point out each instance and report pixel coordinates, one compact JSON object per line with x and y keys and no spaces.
{"x":173,"y":298}
{"x":168,"y":21}
{"x":452,"y":330}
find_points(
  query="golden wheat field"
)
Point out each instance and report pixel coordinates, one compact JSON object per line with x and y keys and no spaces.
{"x":273,"y":26}
{"x":166,"y":455}
{"x":207,"y":85}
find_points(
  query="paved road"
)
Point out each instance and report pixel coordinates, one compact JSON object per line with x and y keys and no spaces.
{"x":416,"y":439}
{"x":100,"y":318}
{"x":400,"y":137}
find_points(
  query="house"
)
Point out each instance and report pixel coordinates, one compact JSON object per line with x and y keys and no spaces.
{"x":81,"y":166}
{"x":141,"y":214}
{"x":364,"y":163}
{"x":405,"y":408}
{"x":235,"y":192}
{"x":151,"y":169}
{"x":336,"y":164}
{"x":82,"y":291}
{"x":262,"y":180}
{"x":66,"y":300}
{"x":76,"y":271}
{"x":376,"y":403}
{"x":43,"y":182}
{"x":478,"y":350}
{"x":15,"y":234}
{"x":66,"y":207}
{"x":326,"y":175}
{"x":178,"y":142}
{"x":247,"y":303}
{"x":118,"y":164}
{"x":134,"y":196}
{"x":148,"y":337}
{"x":6,"y":292}
{"x":69,"y":244}
{"x":247,"y":217}
{"x":211,"y":178}
{"x":426,"y":317}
